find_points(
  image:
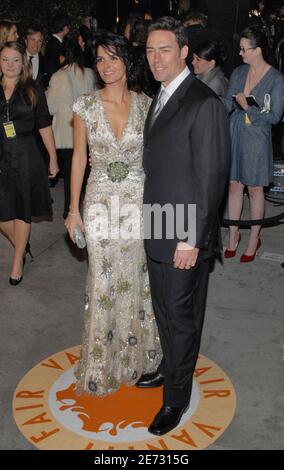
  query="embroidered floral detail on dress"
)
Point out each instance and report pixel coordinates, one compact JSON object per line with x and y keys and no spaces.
{"x":107,"y":267}
{"x":123,"y":286}
{"x":105,"y":302}
{"x":117,"y":171}
{"x":132,"y":340}
{"x":142,"y":315}
{"x":97,"y":352}
{"x":92,"y":386}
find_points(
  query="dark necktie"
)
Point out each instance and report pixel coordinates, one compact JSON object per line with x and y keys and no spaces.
{"x":159,"y":106}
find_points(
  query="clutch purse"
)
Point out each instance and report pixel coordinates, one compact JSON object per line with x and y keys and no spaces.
{"x":79,"y":237}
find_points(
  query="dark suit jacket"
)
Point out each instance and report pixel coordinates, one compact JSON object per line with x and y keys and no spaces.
{"x":53,"y":50}
{"x":186,"y":161}
{"x":197,"y":34}
{"x":42,"y":76}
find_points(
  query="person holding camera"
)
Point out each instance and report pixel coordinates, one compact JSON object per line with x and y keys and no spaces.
{"x":255,"y":100}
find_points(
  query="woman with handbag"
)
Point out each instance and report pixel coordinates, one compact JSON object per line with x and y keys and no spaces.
{"x":120,"y":339}
{"x":251,"y":120}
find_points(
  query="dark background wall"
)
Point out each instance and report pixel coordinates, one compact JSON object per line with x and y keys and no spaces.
{"x":27,"y":11}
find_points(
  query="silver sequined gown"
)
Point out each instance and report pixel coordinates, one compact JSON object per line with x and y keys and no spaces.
{"x":120,"y":339}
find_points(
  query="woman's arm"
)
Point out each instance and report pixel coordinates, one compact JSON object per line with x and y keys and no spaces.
{"x":275,"y":106}
{"x":232,"y":90}
{"x":79,"y":162}
{"x":48,"y":140}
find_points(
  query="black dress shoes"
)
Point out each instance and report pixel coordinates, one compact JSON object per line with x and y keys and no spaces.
{"x":150,"y":380}
{"x":166,"y":420}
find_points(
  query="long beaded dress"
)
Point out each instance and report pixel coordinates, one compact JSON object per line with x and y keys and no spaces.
{"x":120,"y":340}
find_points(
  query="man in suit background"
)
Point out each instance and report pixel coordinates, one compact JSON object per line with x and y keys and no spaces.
{"x":186,"y":162}
{"x":229,"y":18}
{"x":53,"y":56}
{"x":34,"y":40}
{"x":198,"y":33}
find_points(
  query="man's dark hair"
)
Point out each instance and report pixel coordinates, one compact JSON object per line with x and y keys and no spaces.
{"x":168,"y":23}
{"x":197,"y":17}
{"x":32,"y":29}
{"x":59,"y":21}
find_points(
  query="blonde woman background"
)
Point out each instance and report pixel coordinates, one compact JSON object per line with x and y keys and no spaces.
{"x":24,"y":188}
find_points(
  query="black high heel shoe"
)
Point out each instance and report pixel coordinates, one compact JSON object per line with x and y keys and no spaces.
{"x":28,"y":252}
{"x":15,"y":281}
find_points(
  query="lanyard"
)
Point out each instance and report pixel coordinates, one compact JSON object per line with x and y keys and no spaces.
{"x":8,"y":113}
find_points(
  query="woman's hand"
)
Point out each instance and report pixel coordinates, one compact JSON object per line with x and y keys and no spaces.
{"x":241,"y":100}
{"x":73,"y":220}
{"x":53,"y":168}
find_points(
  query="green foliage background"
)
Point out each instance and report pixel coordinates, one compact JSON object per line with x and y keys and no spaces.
{"x":41,"y":11}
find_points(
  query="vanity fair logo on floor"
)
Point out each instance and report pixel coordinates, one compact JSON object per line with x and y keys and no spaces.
{"x":50,"y":414}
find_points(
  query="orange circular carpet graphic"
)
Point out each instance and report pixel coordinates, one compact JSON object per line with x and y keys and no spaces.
{"x":50,"y":414}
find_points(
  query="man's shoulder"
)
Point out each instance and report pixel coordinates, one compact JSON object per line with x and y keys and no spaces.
{"x":53,"y":43}
{"x":198,"y":91}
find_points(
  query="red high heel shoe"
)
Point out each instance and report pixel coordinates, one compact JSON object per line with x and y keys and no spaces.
{"x":247,"y":258}
{"x":231,"y":253}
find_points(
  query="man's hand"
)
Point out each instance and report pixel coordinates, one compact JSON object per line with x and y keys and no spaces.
{"x":185,"y":256}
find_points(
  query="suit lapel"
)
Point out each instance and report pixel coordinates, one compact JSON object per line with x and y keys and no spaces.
{"x":147,"y":126}
{"x":171,"y":107}
{"x":40,"y":64}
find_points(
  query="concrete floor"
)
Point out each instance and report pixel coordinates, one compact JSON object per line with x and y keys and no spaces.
{"x":243,"y":331}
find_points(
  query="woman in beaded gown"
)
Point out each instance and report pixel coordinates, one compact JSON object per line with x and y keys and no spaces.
{"x":120,"y":340}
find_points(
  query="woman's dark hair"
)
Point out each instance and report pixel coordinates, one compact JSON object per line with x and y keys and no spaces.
{"x":119,"y":45}
{"x":167,"y":23}
{"x":85,"y":33}
{"x":138,"y":35}
{"x":212,"y":50}
{"x":131,"y":20}
{"x":257,"y":38}
{"x":25,"y":81}
{"x":72,"y":51}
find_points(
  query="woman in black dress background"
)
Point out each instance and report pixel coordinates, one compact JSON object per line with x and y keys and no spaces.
{"x":24,"y":190}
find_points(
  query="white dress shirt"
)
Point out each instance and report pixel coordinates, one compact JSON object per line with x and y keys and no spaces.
{"x":58,"y":37}
{"x":171,"y":87}
{"x":168,"y":92}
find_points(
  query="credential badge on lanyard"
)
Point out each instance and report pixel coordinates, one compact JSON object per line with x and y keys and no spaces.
{"x":9,"y":127}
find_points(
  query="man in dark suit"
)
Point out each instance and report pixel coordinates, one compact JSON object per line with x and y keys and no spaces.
{"x":186,"y":161}
{"x":33,"y":40}
{"x":53,"y":55}
{"x":198,"y":33}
